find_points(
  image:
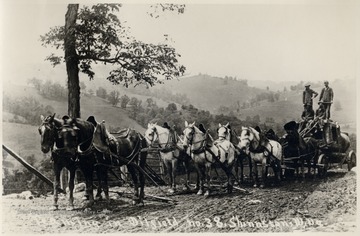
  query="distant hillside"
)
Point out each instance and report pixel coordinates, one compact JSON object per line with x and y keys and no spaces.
{"x":289,"y":106}
{"x":209,"y":93}
{"x":90,"y":105}
{"x":25,"y":139}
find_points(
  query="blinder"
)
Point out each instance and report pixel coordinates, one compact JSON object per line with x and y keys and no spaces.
{"x":73,"y":130}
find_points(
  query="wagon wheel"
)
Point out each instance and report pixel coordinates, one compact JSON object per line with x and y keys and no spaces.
{"x":324,"y":162}
{"x":351,"y":160}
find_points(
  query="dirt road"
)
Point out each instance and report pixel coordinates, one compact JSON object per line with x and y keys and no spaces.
{"x":313,"y":205}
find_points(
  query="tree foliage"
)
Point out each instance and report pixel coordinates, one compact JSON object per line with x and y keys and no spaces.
{"x":49,"y":89}
{"x":157,"y":9}
{"x":114,"y":97}
{"x":101,"y":92}
{"x":101,"y":37}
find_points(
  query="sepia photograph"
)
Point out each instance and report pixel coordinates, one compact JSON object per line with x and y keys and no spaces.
{"x":232,"y":116}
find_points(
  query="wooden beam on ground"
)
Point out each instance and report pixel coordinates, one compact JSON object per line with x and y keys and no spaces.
{"x":30,"y":168}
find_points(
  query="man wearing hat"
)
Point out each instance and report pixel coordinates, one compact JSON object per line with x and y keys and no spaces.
{"x":326,"y":98}
{"x":308,"y":96}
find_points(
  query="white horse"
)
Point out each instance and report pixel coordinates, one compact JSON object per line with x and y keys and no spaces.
{"x":170,"y":152}
{"x":225,"y":132}
{"x":262,"y":150}
{"x":205,"y":153}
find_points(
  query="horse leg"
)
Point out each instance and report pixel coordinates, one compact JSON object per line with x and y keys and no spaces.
{"x":230,"y":180}
{"x":88,"y":170}
{"x":308,"y":162}
{"x":255,"y":173}
{"x":186,"y":164}
{"x":71,"y":189}
{"x":169,"y":171}
{"x":201,"y":177}
{"x":251,"y":176}
{"x":57,"y":171}
{"x":103,"y":184}
{"x":134,"y":178}
{"x":263,"y":173}
{"x":237,"y":165}
{"x":89,"y":187}
{"x":241,"y":160}
{"x":314,"y":165}
{"x":142,"y":177}
{"x":207,"y":175}
{"x":99,"y":188}
{"x":173,"y":172}
{"x":302,"y":169}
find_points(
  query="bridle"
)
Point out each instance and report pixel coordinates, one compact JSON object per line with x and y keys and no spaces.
{"x":190,"y":140}
{"x":153,"y":140}
{"x":52,"y":129}
{"x":254,"y":142}
{"x":226,"y":133}
{"x":56,"y":133}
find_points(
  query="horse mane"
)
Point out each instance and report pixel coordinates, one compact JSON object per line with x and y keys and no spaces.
{"x":86,"y":129}
{"x":198,"y":130}
{"x":58,"y":122}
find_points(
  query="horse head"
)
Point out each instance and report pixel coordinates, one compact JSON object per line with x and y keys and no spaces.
{"x":68,"y":133}
{"x":189,"y":133}
{"x":224,"y":131}
{"x":150,"y":133}
{"x":48,"y":131}
{"x":249,"y":138}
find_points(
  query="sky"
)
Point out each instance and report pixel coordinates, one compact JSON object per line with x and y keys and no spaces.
{"x":253,"y":40}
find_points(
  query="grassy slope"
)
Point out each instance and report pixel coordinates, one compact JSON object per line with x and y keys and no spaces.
{"x":201,"y":91}
{"x":25,"y":139}
{"x":209,"y":93}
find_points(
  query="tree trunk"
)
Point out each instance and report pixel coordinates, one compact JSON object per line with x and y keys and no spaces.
{"x":72,"y":61}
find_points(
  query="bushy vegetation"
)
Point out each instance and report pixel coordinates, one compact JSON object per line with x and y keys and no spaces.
{"x":21,"y":179}
{"x":26,"y":107}
{"x":49,"y":90}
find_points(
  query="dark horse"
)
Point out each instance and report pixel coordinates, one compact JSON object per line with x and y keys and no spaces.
{"x":55,"y":133}
{"x":122,"y":149}
{"x":302,"y":149}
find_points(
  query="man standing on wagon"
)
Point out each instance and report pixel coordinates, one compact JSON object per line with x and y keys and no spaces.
{"x":308,"y":96}
{"x":326,"y":98}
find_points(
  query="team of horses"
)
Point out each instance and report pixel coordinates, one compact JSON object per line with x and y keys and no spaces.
{"x":87,"y":145}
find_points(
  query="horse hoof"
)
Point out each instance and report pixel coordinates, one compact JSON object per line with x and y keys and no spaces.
{"x":137,"y":202}
{"x":54,"y":208}
{"x":87,"y":204}
{"x":187,"y":188}
{"x":262,"y":186}
{"x":70,"y":208}
{"x":98,"y":198}
{"x":200,"y":192}
{"x":207,"y":193}
{"x":255,"y":185}
{"x":171,"y":191}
